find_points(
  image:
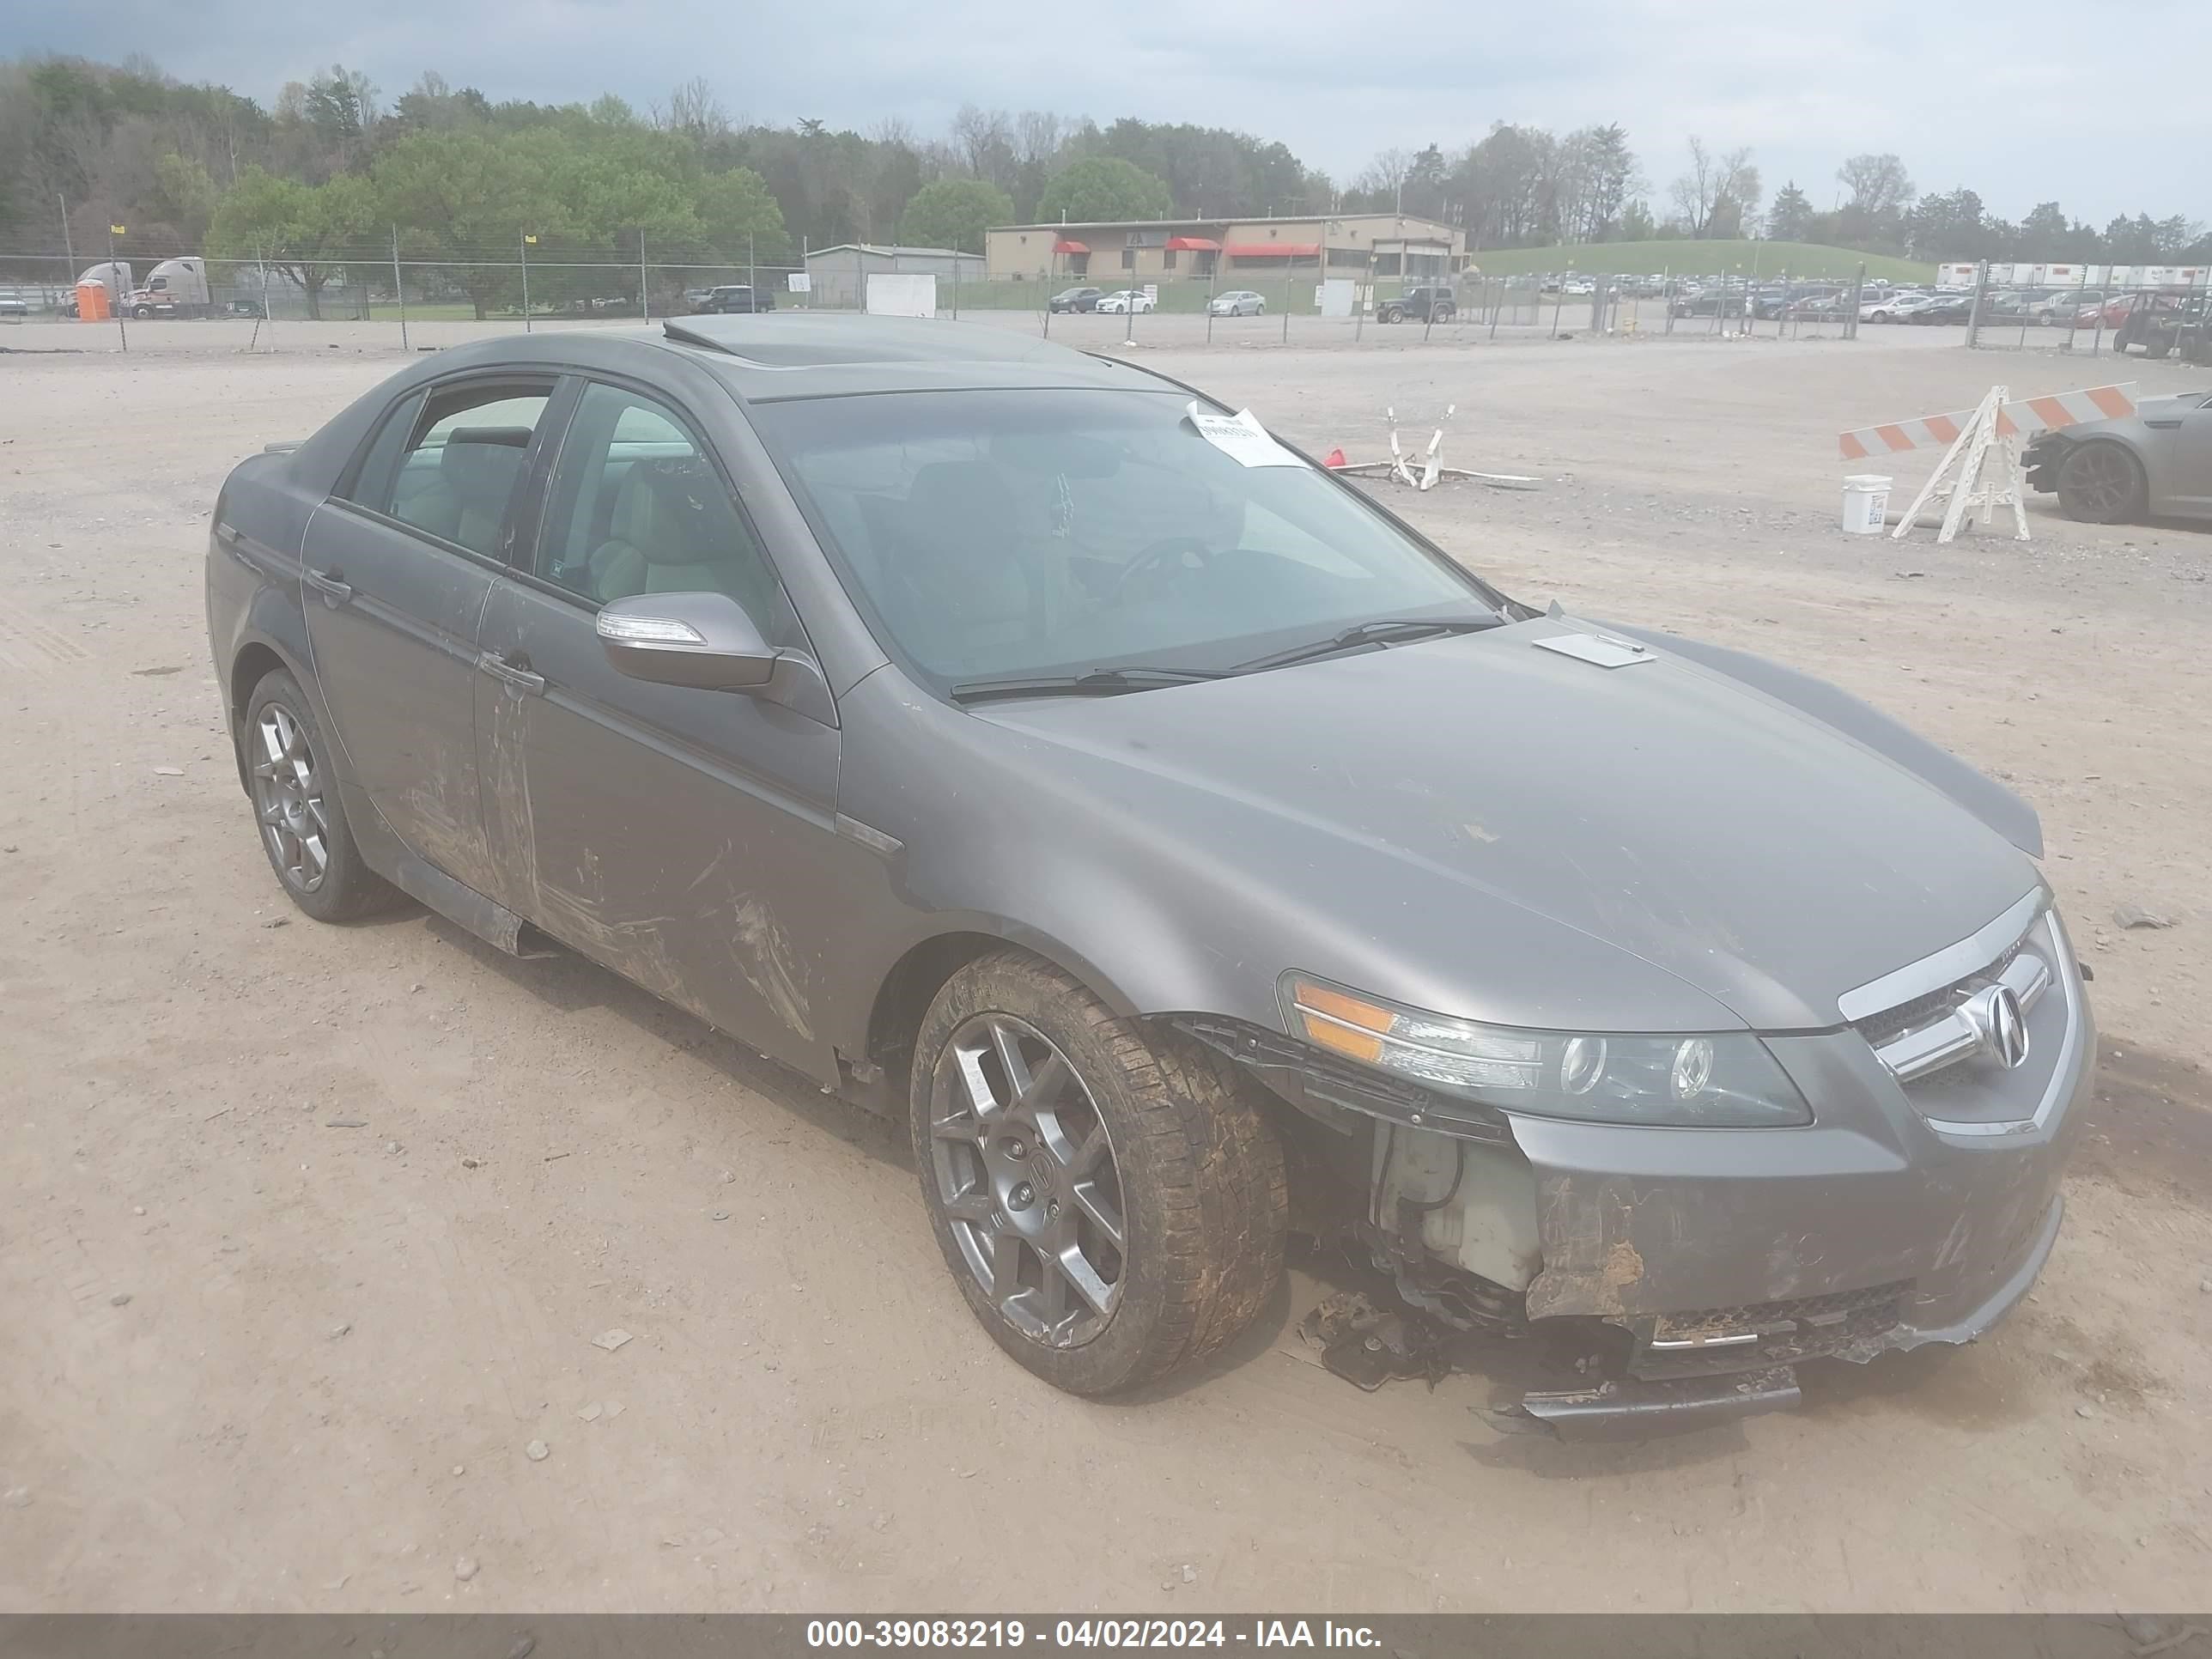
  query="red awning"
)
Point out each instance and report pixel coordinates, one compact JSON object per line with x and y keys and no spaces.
{"x":1272,"y":250}
{"x":1195,"y":244}
{"x":1066,"y":247}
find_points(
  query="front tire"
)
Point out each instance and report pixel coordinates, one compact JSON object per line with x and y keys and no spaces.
{"x":296,"y":807}
{"x":2100,"y":483}
{"x":1109,"y":1196}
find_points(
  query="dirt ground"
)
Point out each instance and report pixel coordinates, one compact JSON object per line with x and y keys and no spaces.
{"x":253,"y":1361}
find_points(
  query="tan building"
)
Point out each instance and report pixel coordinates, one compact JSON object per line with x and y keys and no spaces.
{"x":1165,"y":250}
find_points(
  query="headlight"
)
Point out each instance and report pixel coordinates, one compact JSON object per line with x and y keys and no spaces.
{"x":1724,"y":1080}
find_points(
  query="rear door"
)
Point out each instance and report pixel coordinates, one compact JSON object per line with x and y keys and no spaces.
{"x":399,"y":562}
{"x":685,"y":839}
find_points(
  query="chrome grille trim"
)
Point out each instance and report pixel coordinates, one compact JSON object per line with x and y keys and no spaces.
{"x":2052,"y":937}
{"x":1951,"y":1037}
{"x":1945,"y":967}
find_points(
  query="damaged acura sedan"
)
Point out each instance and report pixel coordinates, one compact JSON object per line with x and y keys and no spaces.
{"x":1021,"y":744}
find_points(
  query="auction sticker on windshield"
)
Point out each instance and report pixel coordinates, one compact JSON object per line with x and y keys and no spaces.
{"x":1241,"y":437}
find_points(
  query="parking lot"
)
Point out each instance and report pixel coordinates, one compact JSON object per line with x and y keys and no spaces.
{"x":256,"y":1360}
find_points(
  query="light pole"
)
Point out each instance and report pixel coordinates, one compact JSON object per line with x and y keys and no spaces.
{"x":527,"y":239}
{"x":115,"y":276}
{"x":69,"y":253}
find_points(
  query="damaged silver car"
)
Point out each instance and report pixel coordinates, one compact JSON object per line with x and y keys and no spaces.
{"x":1018,"y":742}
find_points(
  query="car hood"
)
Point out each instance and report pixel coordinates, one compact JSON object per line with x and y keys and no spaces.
{"x":1409,"y":797}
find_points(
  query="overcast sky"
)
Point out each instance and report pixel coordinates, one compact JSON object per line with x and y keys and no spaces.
{"x":2101,"y":104}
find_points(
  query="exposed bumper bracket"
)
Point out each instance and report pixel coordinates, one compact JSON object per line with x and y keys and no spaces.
{"x":1644,"y":1411}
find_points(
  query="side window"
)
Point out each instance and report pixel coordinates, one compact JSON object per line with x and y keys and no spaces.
{"x":453,"y":469}
{"x":370,"y":484}
{"x":637,"y":508}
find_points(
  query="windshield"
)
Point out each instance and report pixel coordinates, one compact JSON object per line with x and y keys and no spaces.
{"x":990,"y":534}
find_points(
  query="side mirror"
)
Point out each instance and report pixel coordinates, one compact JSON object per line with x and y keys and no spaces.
{"x":702,"y":641}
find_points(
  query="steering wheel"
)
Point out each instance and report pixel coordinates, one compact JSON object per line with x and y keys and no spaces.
{"x":1180,"y":553}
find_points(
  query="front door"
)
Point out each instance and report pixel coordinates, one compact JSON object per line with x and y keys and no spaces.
{"x":400,"y":565}
{"x":2186,"y":466}
{"x":685,"y":839}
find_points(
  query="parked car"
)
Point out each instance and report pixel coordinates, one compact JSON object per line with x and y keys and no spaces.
{"x":545,"y":627}
{"x":1427,"y":304}
{"x":1942,"y":308}
{"x":2109,"y":313}
{"x":1237,"y":303}
{"x":740,"y":298}
{"x":1075,"y":299}
{"x":246,"y":307}
{"x":1123,"y":301}
{"x":722,"y":655}
{"x":695,"y":299}
{"x":1896,"y":307}
{"x":2057,"y":308}
{"x":2155,"y":463}
{"x":14,"y":307}
{"x":1722,"y":299}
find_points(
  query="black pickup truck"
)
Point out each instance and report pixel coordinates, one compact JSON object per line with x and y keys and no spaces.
{"x":738,"y":297}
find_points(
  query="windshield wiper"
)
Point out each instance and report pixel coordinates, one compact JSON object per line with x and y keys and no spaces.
{"x":1093,"y":683}
{"x":1382,"y":631}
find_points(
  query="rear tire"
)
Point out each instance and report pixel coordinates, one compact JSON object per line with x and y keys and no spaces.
{"x":301,"y":821}
{"x":2101,"y":484}
{"x":1122,"y":1128}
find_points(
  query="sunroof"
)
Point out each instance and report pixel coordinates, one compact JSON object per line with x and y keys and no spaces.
{"x":821,"y":342}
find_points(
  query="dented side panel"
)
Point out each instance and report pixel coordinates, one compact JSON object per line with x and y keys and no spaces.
{"x":684,"y":839}
{"x":396,"y":662}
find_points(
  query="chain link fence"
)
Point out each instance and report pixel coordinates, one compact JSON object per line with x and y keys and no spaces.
{"x":2098,"y":319}
{"x":394,"y":296}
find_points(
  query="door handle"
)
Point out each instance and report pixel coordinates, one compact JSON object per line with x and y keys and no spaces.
{"x":335,"y":592}
{"x":226,"y":533}
{"x":521,"y":678}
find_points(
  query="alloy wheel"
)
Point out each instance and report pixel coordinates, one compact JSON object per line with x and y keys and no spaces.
{"x":287,"y":798}
{"x":1026,"y":1175}
{"x":2101,"y":480}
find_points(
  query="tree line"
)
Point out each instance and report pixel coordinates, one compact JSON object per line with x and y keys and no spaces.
{"x":329,"y":173}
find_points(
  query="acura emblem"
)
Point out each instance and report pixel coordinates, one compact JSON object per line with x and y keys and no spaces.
{"x":1996,"y":1016}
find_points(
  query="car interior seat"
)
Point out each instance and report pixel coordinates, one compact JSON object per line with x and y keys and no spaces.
{"x":956,"y":573}
{"x":480,"y":467}
{"x":676,"y":531}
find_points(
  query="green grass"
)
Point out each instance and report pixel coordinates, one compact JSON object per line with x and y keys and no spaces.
{"x":1701,"y":259}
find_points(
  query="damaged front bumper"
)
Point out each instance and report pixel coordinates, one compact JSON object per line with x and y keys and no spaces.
{"x":1681,"y":1382}
{"x":1917,"y":1206}
{"x":1909,"y":1213}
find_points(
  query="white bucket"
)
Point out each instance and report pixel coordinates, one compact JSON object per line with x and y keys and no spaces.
{"x":1866,"y":500}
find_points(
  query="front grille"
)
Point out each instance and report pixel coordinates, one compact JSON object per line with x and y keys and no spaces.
{"x":1779,"y":1332}
{"x":1893,"y":1023}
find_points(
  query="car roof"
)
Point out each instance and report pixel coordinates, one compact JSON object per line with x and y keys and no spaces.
{"x":785,"y":355}
{"x":809,"y":355}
